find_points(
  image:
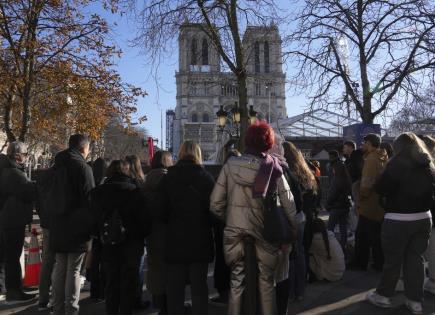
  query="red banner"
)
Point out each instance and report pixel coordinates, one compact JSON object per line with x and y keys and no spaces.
{"x":150,"y":148}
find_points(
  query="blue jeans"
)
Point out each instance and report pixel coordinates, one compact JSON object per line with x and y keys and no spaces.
{"x":339,"y":216}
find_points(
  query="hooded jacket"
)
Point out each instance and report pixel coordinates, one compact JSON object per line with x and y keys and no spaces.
{"x":232,"y":201}
{"x":70,"y":232}
{"x":368,"y":203}
{"x":19,"y":194}
{"x":185,"y":197}
{"x":121,"y":193}
{"x":408,"y":184}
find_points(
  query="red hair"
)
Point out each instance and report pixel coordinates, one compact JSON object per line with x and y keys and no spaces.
{"x":260,"y":137}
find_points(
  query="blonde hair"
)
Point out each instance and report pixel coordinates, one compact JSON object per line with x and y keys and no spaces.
{"x":299,"y":167}
{"x":409,"y":142}
{"x":190,"y":150}
{"x":136,"y":171}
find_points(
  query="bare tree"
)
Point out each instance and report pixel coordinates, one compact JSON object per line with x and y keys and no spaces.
{"x":120,"y":141}
{"x":368,"y":52}
{"x":417,"y":116}
{"x":223,"y":23}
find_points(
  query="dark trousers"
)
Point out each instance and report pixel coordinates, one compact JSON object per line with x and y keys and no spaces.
{"x":122,"y":265}
{"x":97,"y":276}
{"x":404,"y":244}
{"x":368,"y":236}
{"x":13,"y":241}
{"x":178,"y":275}
{"x":222,"y":273}
{"x":339,"y":216}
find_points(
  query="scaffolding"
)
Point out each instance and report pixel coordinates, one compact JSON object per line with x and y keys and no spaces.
{"x":317,"y":123}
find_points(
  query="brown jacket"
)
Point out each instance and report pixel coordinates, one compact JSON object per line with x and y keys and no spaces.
{"x":368,"y":203}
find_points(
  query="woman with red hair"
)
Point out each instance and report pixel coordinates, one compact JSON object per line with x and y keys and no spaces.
{"x":237,"y":199}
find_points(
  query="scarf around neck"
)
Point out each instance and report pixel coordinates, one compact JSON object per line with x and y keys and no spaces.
{"x":268,"y":174}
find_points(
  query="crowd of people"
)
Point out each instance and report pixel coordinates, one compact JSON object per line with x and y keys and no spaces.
{"x":104,"y":217}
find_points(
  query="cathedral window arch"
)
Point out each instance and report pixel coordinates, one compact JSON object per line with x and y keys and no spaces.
{"x":266,"y":57}
{"x":204,"y":52}
{"x":257,"y":57}
{"x":194,"y":52}
{"x":194,"y":117}
{"x":205,"y":117}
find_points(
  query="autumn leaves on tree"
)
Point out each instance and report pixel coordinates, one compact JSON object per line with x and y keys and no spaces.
{"x":56,"y":64}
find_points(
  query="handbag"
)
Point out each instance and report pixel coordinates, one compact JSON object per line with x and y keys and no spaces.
{"x":277,"y":227}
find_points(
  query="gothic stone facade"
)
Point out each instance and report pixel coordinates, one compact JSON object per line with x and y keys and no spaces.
{"x":202,"y":85}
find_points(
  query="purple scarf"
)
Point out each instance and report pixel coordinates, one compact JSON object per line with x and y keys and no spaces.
{"x":267,"y":177}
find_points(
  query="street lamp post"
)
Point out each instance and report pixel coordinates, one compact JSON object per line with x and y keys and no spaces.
{"x":222,"y":116}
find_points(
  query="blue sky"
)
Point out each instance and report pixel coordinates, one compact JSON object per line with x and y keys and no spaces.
{"x":161,"y":95}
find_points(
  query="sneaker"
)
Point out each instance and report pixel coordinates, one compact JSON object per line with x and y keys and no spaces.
{"x":379,"y":300}
{"x":18,"y":298}
{"x":414,"y":307}
{"x":220,"y":301}
{"x":430,"y":286}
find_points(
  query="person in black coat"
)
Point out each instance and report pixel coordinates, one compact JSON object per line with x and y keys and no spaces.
{"x":407,"y":190}
{"x":338,"y":202}
{"x":18,"y":196}
{"x":71,"y":225}
{"x":185,"y":195}
{"x":121,"y":200}
{"x":96,"y":272}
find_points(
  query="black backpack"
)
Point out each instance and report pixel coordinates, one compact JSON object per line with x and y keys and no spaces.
{"x":112,"y":230}
{"x":54,"y":192}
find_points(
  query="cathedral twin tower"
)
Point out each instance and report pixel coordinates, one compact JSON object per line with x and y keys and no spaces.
{"x":202,"y":85}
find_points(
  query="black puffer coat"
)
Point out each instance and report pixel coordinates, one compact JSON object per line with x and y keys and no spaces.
{"x":185,"y":196}
{"x":70,"y":232}
{"x":19,"y":194}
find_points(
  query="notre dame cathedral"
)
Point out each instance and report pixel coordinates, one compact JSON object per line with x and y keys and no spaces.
{"x":203,"y":86}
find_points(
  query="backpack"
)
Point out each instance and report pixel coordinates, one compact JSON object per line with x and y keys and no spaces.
{"x":112,"y":230}
{"x":53,"y":191}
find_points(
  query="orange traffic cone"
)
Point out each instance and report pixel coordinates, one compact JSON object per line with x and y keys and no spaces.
{"x":33,"y":266}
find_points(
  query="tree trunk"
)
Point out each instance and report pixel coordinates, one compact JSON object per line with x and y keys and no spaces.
{"x":366,"y":115}
{"x":7,"y":118}
{"x":25,"y":118}
{"x":243,"y":104}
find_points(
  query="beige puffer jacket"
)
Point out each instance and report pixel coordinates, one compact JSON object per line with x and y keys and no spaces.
{"x":232,"y":201}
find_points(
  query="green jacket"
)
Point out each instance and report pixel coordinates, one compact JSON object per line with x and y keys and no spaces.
{"x":368,"y":202}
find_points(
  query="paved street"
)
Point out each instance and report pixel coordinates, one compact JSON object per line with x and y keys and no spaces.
{"x":339,"y":298}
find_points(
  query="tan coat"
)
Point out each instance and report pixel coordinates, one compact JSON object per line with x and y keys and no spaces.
{"x":232,"y":201}
{"x":368,"y":200}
